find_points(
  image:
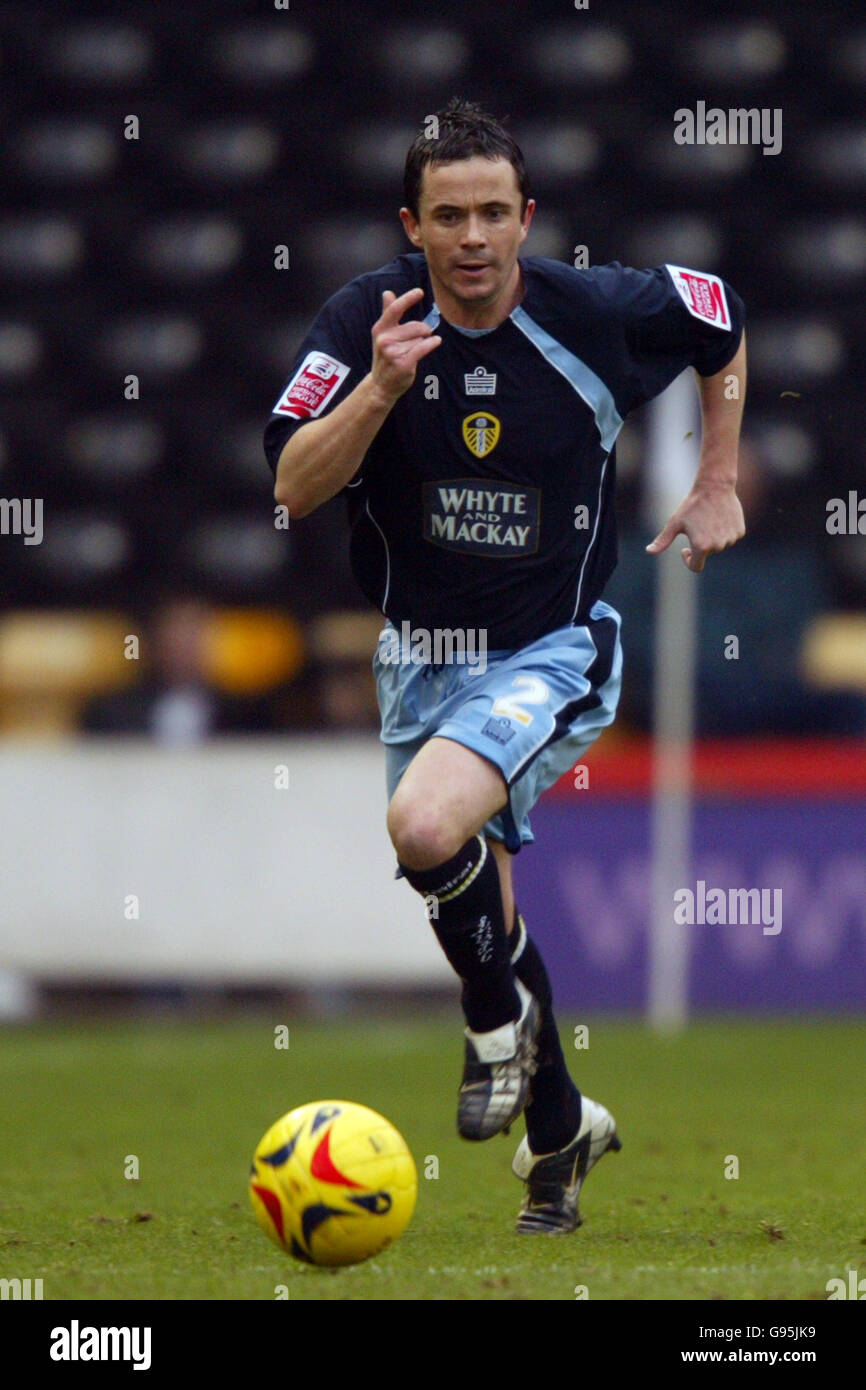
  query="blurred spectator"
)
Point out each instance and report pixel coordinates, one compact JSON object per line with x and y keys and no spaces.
{"x":341,"y":645}
{"x":174,"y":702}
{"x":337,"y":690}
{"x":346,"y":694}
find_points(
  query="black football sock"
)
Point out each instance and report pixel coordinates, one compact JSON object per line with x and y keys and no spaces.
{"x":465,"y":911}
{"x":553,"y":1114}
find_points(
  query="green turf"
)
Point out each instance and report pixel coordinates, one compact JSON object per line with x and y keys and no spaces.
{"x":191,"y":1101}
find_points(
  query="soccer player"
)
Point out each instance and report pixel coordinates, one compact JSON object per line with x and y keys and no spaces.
{"x":466,"y":400}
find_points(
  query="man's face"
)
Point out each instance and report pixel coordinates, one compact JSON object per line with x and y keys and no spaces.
{"x":470,"y":228}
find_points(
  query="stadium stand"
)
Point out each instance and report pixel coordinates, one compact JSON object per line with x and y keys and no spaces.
{"x":145,"y":332}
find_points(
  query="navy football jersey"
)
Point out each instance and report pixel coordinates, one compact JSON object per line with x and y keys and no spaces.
{"x":486,"y":500}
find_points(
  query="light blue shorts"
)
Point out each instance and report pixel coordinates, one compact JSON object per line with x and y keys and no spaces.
{"x":532,"y":712}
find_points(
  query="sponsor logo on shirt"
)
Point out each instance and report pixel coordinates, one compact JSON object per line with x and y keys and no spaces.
{"x":497,"y":519}
{"x":481,"y":434}
{"x":480,"y":382}
{"x":312,"y":386}
{"x":703,"y":295}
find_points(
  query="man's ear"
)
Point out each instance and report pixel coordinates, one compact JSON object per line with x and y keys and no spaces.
{"x":527,"y":219}
{"x":411,"y":227}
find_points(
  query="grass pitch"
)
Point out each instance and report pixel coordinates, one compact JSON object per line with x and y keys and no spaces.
{"x":190,"y":1101}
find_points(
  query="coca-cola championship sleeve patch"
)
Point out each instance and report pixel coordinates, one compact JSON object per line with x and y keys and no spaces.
{"x":315,"y":382}
{"x":703,"y":295}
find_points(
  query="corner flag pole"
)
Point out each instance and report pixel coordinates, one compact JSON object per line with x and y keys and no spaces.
{"x":674,"y":435}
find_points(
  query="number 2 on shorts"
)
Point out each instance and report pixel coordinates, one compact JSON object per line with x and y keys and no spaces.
{"x":533,"y":691}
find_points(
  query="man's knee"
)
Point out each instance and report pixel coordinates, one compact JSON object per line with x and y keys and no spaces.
{"x":423,"y":834}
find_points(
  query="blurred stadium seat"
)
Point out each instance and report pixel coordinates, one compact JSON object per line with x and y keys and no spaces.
{"x":679,"y":238}
{"x":568,"y":55}
{"x":110,"y":449}
{"x":50,"y":662}
{"x":159,"y":345}
{"x":421,"y":57}
{"x":796,"y":351}
{"x":837,"y":158}
{"x":106,"y":53}
{"x":252,"y":650}
{"x":833,"y":653}
{"x":829,"y":254}
{"x":189,"y":248}
{"x":40,"y":247}
{"x":228,"y":151}
{"x":80,"y":551}
{"x":238,"y":556}
{"x":558,"y":153}
{"x":735,"y":52}
{"x":262,"y":53}
{"x":340,"y":636}
{"x":20,"y":351}
{"x":67,"y":151}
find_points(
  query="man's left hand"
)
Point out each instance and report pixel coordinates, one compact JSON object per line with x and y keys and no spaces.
{"x":712,"y":519}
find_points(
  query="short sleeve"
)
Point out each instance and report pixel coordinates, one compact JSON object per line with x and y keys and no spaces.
{"x":671,"y":318}
{"x":333,"y":358}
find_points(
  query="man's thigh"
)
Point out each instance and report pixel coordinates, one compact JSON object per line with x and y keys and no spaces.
{"x":447,"y":793}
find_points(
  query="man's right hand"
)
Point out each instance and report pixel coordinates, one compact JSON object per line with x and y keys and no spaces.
{"x":319,"y":459}
{"x":398,"y":347}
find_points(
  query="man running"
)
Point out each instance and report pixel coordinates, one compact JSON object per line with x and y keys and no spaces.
{"x":467,"y":400}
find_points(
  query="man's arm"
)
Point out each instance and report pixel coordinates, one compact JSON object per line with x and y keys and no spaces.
{"x":322,"y":456}
{"x":711,"y":516}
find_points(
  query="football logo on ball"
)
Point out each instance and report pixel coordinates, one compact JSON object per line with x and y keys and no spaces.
{"x":333,"y":1183}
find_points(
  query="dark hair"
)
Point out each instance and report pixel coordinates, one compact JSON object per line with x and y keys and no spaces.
{"x":463,"y":130}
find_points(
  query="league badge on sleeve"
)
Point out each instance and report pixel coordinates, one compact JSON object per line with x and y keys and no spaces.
{"x":312,"y":386}
{"x":703,"y":295}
